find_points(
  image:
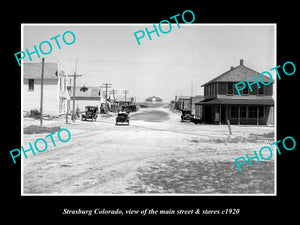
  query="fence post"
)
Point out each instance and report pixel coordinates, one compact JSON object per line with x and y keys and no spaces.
{"x":229,"y":128}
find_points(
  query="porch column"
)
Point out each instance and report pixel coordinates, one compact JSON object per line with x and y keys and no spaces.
{"x":238,"y":115}
{"x":220,"y":115}
{"x":257,"y":115}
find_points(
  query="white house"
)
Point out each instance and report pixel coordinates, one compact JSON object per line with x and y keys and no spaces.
{"x":87,"y":96}
{"x":55,"y":94}
{"x":153,"y":100}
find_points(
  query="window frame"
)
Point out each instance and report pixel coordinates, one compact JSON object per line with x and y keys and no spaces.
{"x":248,"y":91}
{"x":250,"y":112}
{"x":262,"y":87}
{"x":243,"y":109}
{"x":30,"y":84}
{"x":227,"y":91}
{"x":236,"y":112}
{"x":261,"y":111}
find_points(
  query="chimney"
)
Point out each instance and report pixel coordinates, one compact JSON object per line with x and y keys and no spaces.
{"x":232,"y":67}
{"x":241,"y":62}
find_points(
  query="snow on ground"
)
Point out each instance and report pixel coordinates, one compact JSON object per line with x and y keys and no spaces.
{"x":155,"y":154}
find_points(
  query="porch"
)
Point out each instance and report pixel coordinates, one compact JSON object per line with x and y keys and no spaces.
{"x":238,"y":111}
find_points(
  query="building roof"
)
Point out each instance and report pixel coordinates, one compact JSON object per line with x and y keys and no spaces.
{"x":238,"y":74}
{"x":198,"y":98}
{"x":34,"y":70}
{"x":122,"y":99}
{"x":241,"y":101}
{"x":184,"y":98}
{"x":90,"y":92}
{"x":150,"y":98}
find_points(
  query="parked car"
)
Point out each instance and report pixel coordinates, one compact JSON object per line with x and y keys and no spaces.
{"x":122,"y":117}
{"x":90,"y":113}
{"x":186,"y":115}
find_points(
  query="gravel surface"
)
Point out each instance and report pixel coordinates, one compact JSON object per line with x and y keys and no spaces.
{"x":155,"y":154}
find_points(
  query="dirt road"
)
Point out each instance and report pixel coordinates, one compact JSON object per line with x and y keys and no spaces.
{"x":155,"y":154}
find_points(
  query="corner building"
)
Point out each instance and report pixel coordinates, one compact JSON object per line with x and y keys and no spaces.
{"x":222,"y":102}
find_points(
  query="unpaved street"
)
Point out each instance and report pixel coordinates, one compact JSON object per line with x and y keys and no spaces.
{"x":155,"y":154}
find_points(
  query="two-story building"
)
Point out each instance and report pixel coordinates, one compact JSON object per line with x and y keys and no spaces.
{"x":87,"y":96}
{"x":222,"y":102}
{"x":55,"y":94}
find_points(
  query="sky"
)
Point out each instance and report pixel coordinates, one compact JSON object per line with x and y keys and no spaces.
{"x":176,"y":63}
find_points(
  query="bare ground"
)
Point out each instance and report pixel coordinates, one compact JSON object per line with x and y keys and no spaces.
{"x":156,"y":154}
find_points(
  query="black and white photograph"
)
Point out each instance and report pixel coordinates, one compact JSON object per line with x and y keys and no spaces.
{"x":131,"y":109}
{"x":149,"y":111}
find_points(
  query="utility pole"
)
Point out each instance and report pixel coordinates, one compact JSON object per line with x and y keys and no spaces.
{"x":42,"y":87}
{"x":74,"y":85}
{"x":125,"y":92}
{"x":113,"y":91}
{"x":106,"y":86}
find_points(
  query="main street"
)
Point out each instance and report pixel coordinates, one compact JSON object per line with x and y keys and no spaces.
{"x":155,"y":154}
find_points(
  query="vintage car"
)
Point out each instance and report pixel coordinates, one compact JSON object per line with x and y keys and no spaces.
{"x":90,"y":113}
{"x":129,"y":108}
{"x":122,"y":117}
{"x":186,"y":115}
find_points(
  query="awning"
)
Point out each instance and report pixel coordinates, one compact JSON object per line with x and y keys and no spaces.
{"x":218,"y":101}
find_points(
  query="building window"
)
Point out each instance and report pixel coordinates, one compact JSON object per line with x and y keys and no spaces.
{"x":245,"y":91}
{"x":65,"y":84}
{"x":216,"y":89}
{"x":60,"y":84}
{"x":230,"y":88}
{"x":234,"y":111}
{"x":261,"y":90}
{"x":261,"y":109}
{"x":252,"y":111}
{"x":31,"y":84}
{"x":243,"y":112}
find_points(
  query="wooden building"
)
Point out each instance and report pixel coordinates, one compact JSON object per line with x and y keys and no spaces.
{"x":55,"y":94}
{"x":153,"y":100}
{"x":222,"y":102}
{"x":183,"y":103}
{"x":85,"y":96}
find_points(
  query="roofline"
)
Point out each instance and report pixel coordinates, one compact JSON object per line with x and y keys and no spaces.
{"x":211,"y":81}
{"x":268,"y":102}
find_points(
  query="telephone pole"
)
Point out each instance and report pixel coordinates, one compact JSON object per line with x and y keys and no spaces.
{"x":74,"y":85}
{"x":106,"y":86}
{"x":125,"y":92}
{"x":42,"y":87}
{"x":113,"y":91}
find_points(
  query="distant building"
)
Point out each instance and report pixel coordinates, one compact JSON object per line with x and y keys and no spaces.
{"x":55,"y":94}
{"x":122,"y":101}
{"x":186,"y":103}
{"x":194,"y":100}
{"x":183,"y":103}
{"x":153,"y":100}
{"x":85,"y":96}
{"x":222,"y":102}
